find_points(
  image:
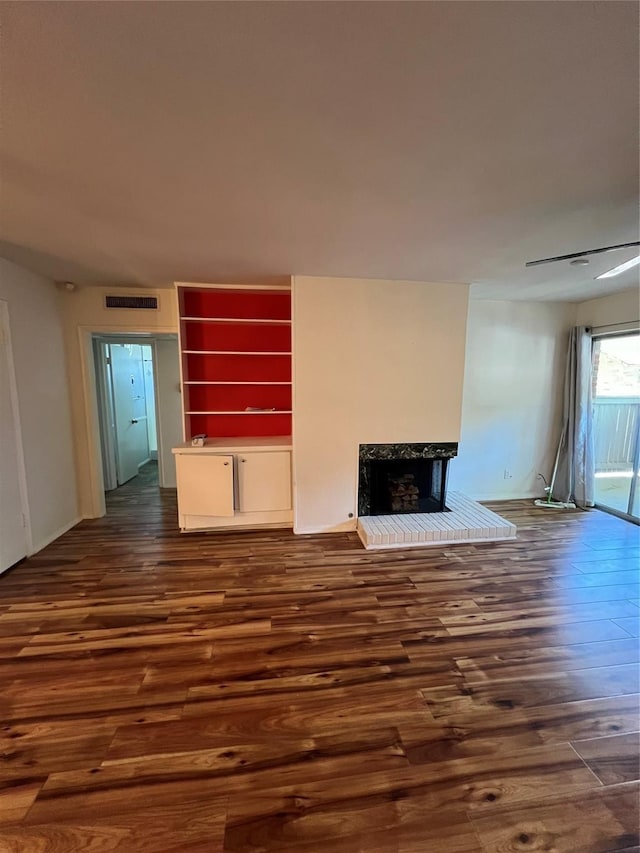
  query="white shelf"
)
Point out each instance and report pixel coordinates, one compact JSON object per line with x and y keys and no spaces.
{"x":251,"y":320}
{"x":238,"y":444}
{"x":242,"y":412}
{"x":229,"y":352}
{"x":198,"y":382}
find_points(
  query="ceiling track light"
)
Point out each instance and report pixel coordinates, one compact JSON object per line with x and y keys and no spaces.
{"x":582,"y":254}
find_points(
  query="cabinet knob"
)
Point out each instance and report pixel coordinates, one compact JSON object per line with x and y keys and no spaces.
{"x":243,"y":460}
{"x":226,"y":463}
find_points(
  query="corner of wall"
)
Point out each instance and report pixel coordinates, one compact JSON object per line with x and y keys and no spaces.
{"x":43,"y":401}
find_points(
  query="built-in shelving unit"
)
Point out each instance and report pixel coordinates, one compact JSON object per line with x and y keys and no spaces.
{"x":236,"y":358}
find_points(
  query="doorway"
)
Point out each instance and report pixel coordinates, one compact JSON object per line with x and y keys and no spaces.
{"x":139,"y":410}
{"x":126,"y":406}
{"x":616,"y":423}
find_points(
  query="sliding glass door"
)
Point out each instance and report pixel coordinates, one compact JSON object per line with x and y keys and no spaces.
{"x":616,"y":406}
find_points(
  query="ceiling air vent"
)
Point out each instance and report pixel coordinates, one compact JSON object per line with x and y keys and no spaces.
{"x":144,"y":302}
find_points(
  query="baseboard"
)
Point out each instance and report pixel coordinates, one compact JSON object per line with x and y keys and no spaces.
{"x":38,"y":546}
{"x":12,"y":567}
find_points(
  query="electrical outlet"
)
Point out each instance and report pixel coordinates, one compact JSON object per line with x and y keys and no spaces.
{"x":507,"y":474}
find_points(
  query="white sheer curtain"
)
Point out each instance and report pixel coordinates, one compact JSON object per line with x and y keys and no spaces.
{"x":575,"y":475}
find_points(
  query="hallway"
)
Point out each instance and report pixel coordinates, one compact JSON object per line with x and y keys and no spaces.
{"x":267,"y":692}
{"x":142,"y":490}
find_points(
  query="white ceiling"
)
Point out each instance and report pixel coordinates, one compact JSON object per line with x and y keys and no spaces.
{"x":144,"y":143}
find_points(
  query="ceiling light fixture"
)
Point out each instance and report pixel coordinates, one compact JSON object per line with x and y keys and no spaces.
{"x":627,"y":265}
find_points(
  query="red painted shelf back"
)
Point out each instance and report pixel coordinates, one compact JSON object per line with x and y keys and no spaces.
{"x":238,"y":397}
{"x":235,"y":337}
{"x":231,"y":426}
{"x":238,"y":368}
{"x":241,"y":304}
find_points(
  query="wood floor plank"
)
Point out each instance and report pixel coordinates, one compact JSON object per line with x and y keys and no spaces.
{"x":600,"y":821}
{"x":396,"y":826}
{"x":613,"y":759}
{"x":189,"y":826}
{"x":469,"y":785}
{"x":587,"y":565}
{"x":534,"y":692}
{"x":545,"y":660}
{"x":265,"y":691}
{"x":589,"y":579}
{"x":16,"y":798}
{"x":499,"y":642}
{"x":631,"y":624}
{"x":628,"y":556}
{"x":473,"y":734}
{"x":578,"y":631}
{"x":492,"y":611}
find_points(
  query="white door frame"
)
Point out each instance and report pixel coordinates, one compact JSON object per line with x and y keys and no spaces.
{"x":5,"y":332}
{"x":104,"y":394}
{"x":90,"y":399}
{"x":106,"y":402}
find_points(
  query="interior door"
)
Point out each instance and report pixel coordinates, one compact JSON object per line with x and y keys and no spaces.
{"x":13,"y":534}
{"x":129,"y":404}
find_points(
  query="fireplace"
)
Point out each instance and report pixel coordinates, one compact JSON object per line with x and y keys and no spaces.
{"x":403,"y":478}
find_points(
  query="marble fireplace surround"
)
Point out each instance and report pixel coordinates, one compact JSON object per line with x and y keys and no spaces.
{"x":369,"y":452}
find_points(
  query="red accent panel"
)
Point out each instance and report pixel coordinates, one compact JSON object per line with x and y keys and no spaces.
{"x":237,"y":337}
{"x":242,"y":304}
{"x":237,"y":397}
{"x":223,"y":426}
{"x":238,"y":368}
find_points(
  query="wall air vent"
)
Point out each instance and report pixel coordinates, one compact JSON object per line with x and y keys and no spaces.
{"x":144,"y":302}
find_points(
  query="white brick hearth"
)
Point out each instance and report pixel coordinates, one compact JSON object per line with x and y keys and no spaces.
{"x":467,"y":521}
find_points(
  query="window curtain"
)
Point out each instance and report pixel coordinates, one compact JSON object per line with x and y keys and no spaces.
{"x":575,"y":476}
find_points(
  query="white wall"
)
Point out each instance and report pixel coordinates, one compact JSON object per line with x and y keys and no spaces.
{"x":610,"y":310}
{"x":169,"y":407}
{"x":374,"y":362}
{"x":43,"y":401}
{"x":512,"y":396}
{"x":84,"y":313}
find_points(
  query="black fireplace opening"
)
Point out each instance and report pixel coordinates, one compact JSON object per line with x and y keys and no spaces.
{"x":403,"y":478}
{"x":407,"y":485}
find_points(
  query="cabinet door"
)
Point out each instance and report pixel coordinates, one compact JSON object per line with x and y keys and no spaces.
{"x":264,"y":481}
{"x":205,"y":484}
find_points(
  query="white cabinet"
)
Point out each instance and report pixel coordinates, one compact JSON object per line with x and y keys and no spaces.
{"x":205,"y":484}
{"x":264,"y":481}
{"x":226,"y":485}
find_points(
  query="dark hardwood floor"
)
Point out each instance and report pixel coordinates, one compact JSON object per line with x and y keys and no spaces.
{"x":266,"y":692}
